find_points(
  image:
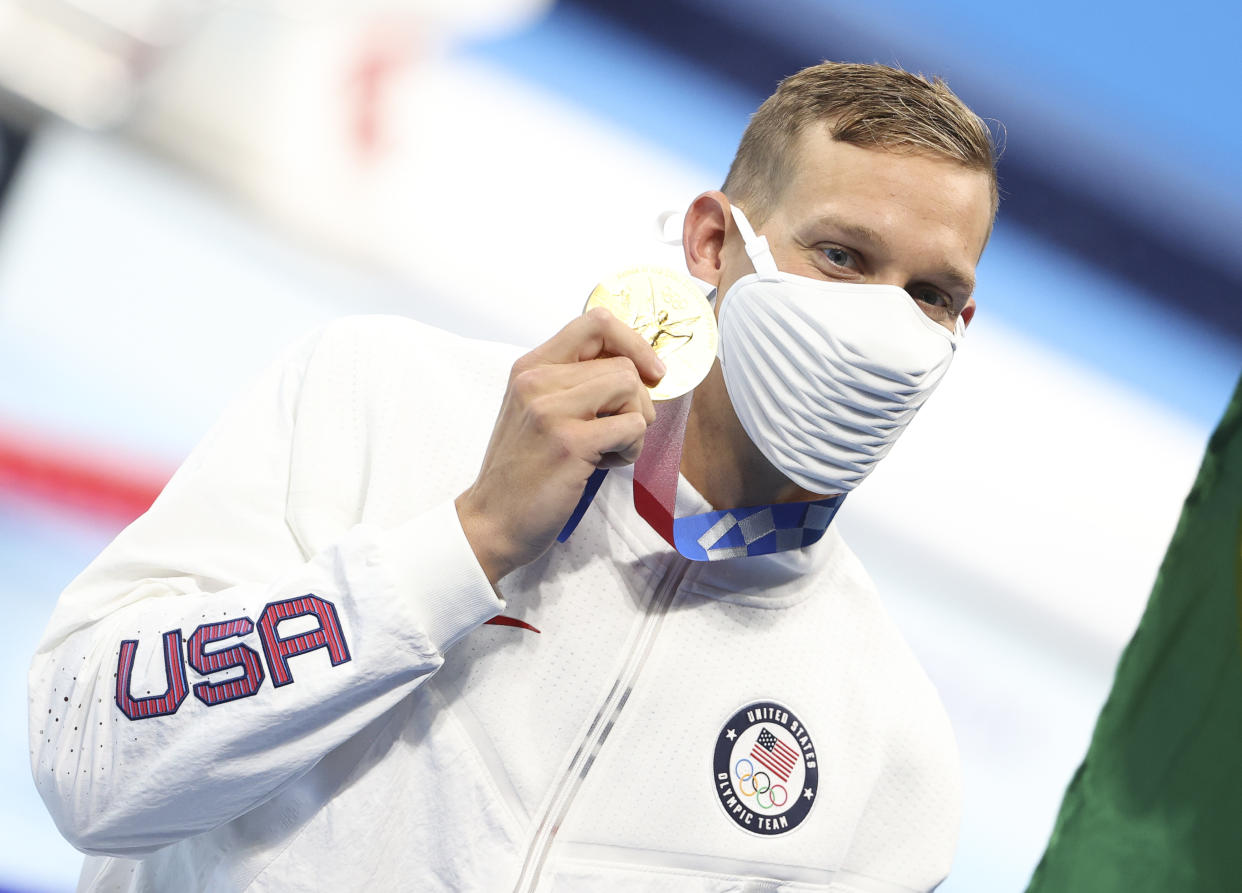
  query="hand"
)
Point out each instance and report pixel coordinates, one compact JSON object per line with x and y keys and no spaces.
{"x":573,"y":404}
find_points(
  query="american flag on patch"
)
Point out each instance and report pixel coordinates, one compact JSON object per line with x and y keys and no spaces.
{"x":774,"y":754}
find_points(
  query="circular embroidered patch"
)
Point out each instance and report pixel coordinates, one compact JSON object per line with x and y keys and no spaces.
{"x":765,"y":770}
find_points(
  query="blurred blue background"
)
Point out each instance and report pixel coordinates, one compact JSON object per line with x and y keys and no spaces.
{"x":168,"y":224}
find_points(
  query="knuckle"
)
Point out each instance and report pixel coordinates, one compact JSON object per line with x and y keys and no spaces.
{"x":601,"y":316}
{"x":525,"y":385}
{"x":626,"y":365}
{"x":619,"y":380}
{"x":634,"y":448}
{"x":631,"y":426}
{"x":523,"y":364}
{"x":542,"y":414}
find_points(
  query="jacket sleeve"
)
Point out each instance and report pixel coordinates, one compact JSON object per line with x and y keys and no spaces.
{"x":205,"y":659}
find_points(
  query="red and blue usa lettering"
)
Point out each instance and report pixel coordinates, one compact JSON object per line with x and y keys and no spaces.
{"x":174,"y":672}
{"x":278,"y":650}
{"x":243,"y":686}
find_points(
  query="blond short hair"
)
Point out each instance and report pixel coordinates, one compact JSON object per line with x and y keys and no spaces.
{"x":871,"y":106}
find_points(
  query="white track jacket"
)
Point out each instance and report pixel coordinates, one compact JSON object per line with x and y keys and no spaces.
{"x":279,"y":677}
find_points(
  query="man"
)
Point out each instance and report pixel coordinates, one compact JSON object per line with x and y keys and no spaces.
{"x":326,"y":559}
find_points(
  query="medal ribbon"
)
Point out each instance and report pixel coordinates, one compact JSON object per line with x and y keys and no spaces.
{"x":709,"y":536}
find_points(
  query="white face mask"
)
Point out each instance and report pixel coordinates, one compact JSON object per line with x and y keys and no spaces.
{"x":824,"y":376}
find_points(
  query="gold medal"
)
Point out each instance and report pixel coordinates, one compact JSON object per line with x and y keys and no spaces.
{"x":670,"y":313}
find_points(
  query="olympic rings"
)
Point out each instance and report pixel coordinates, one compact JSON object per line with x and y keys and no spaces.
{"x":753,"y":778}
{"x":771,"y":792}
{"x":755,"y":790}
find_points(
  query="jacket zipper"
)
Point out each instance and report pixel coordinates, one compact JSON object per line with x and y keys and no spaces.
{"x":605,"y":718}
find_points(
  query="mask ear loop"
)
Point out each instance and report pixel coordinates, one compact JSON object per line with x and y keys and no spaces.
{"x":662,"y":236}
{"x":757,"y":248}
{"x":661,"y":224}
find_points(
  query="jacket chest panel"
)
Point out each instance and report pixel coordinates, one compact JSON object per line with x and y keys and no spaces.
{"x":686,"y":769}
{"x":530,"y":697}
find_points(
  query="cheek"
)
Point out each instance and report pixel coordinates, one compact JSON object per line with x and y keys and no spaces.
{"x":800,"y":263}
{"x":731,"y":271}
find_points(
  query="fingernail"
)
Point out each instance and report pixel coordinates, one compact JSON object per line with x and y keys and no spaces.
{"x":660,"y":367}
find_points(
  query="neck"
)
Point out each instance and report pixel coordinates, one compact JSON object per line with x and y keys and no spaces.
{"x":719,"y":459}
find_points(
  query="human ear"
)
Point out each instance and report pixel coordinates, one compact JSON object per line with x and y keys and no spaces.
{"x":968,"y":312}
{"x":703,"y":235}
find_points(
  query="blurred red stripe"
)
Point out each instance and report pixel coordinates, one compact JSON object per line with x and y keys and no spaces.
{"x":93,"y":482}
{"x":78,"y":477}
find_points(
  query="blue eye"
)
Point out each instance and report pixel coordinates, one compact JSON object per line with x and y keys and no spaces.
{"x":935,"y":304}
{"x":840,"y":257}
{"x":933,"y":297}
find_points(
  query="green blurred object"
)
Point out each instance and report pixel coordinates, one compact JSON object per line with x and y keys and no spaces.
{"x":1157,"y":803}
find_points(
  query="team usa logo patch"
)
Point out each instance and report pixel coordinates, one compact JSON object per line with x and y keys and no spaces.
{"x":765,"y":769}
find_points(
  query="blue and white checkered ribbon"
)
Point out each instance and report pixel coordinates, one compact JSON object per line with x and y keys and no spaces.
{"x":708,"y":536}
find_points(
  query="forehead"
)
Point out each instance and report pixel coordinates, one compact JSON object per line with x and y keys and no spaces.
{"x":901,"y":195}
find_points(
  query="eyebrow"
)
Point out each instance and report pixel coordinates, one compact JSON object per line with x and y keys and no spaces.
{"x":855,"y":231}
{"x":863,"y":233}
{"x":961,"y":280}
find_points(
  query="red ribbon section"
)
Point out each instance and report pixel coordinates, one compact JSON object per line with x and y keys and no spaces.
{"x":502,"y":620}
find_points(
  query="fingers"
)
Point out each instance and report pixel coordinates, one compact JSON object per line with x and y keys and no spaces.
{"x":614,"y":394}
{"x":585,"y":390}
{"x":596,"y":411}
{"x":573,"y":397}
{"x":577,"y":401}
{"x":598,"y":333}
{"x":614,"y":440}
{"x":611,"y":388}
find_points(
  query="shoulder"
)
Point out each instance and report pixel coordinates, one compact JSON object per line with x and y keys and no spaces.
{"x":389,"y":338}
{"x":391,"y":418}
{"x":362,"y":360}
